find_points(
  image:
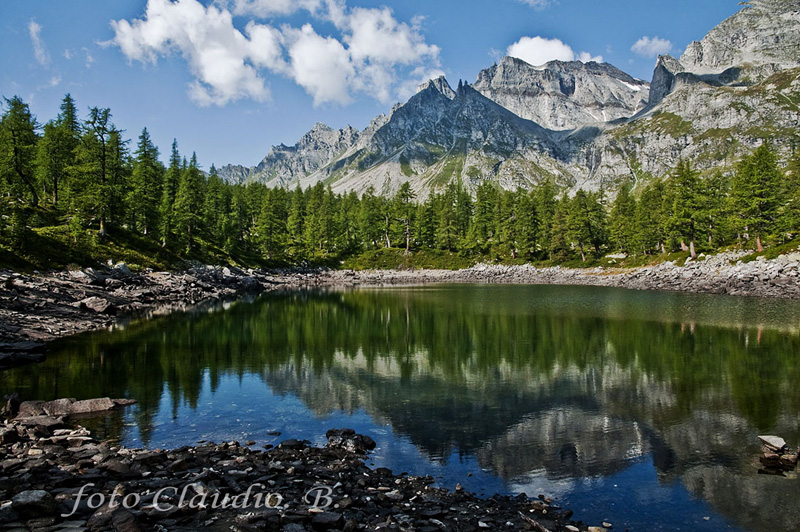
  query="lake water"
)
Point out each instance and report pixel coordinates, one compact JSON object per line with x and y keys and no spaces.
{"x":637,"y":408}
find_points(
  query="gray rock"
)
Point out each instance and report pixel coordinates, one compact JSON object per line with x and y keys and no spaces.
{"x":773,"y":442}
{"x":34,"y":504}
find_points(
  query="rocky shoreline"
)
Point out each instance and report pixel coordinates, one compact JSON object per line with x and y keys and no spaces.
{"x":38,"y":308}
{"x":55,"y":477}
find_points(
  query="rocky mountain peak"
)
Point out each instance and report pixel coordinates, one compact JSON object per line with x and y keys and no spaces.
{"x":764,"y":32}
{"x":563,"y":95}
{"x":439,"y":84}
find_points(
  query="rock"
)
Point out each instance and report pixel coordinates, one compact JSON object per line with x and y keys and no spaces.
{"x":59,"y":407}
{"x":30,"y":408}
{"x":8,"y":514}
{"x":124,"y":521}
{"x":773,"y":442}
{"x":91,"y":405}
{"x":349,"y":440}
{"x":121,"y":270}
{"x":326,"y":519}
{"x":45,"y":422}
{"x":34,"y":503}
{"x":294,"y":444}
{"x":99,"y":305}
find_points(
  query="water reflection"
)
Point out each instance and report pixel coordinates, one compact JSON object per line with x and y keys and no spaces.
{"x":546,"y":388}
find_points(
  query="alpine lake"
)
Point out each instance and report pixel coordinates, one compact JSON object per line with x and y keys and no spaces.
{"x":641,"y":409}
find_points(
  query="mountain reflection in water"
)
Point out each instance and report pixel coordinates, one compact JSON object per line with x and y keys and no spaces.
{"x":534,"y":388}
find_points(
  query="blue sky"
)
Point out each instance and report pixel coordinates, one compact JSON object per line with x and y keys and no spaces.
{"x":230,"y":78}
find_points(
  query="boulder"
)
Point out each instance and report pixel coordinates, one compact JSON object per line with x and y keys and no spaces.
{"x":34,"y":503}
{"x":98,"y":304}
{"x":349,"y":440}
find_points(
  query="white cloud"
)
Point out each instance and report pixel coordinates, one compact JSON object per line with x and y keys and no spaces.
{"x":374,"y":53}
{"x":217,"y":53}
{"x":39,"y":51}
{"x":648,"y":47}
{"x":320,"y":65}
{"x":537,"y":4}
{"x":586,"y":57}
{"x":89,"y":61}
{"x":271,"y":8}
{"x":539,"y":50}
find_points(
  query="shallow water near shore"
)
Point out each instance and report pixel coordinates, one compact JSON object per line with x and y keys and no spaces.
{"x":636,"y":408}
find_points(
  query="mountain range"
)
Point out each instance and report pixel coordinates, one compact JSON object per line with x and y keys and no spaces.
{"x":586,"y":125}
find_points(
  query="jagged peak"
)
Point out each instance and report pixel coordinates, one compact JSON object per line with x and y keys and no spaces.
{"x":439,"y":84}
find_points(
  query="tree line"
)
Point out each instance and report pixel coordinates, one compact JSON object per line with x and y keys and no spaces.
{"x":82,"y":173}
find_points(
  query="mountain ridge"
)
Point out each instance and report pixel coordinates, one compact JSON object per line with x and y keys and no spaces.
{"x":579,"y":124}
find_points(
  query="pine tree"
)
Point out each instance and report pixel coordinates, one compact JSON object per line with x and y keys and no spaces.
{"x":559,"y":243}
{"x":18,"y":139}
{"x":97,"y":172}
{"x":650,"y":224}
{"x":271,"y":226}
{"x":622,"y":220}
{"x":545,"y":201}
{"x":755,"y":193}
{"x":145,"y":192}
{"x":169,"y":190}
{"x":296,"y":220}
{"x":189,"y":205}
{"x":481,"y":228}
{"x":586,"y":224}
{"x":404,"y":211}
{"x":684,"y":205}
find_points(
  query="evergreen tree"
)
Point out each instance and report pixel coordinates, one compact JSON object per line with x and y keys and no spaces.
{"x":622,"y":220}
{"x":271,"y":227}
{"x":545,"y":201}
{"x":18,"y":140}
{"x":447,"y":222}
{"x":684,"y":205}
{"x":650,"y":223}
{"x":586,"y":222}
{"x":96,"y":173}
{"x":217,"y":204}
{"x":189,"y":205}
{"x":145,"y":191}
{"x":755,"y":193}
{"x":169,"y":190}
{"x":482,"y":227}
{"x":404,"y":211}
{"x":296,"y":220}
{"x":55,"y":154}
{"x":559,"y":245}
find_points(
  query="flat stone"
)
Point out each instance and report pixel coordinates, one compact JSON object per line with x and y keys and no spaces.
{"x":59,"y":407}
{"x":91,"y":405}
{"x":773,"y":442}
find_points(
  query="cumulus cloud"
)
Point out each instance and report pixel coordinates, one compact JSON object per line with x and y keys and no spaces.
{"x":218,"y":54}
{"x":373,"y":52}
{"x":539,"y":50}
{"x":39,"y":50}
{"x":648,"y":47}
